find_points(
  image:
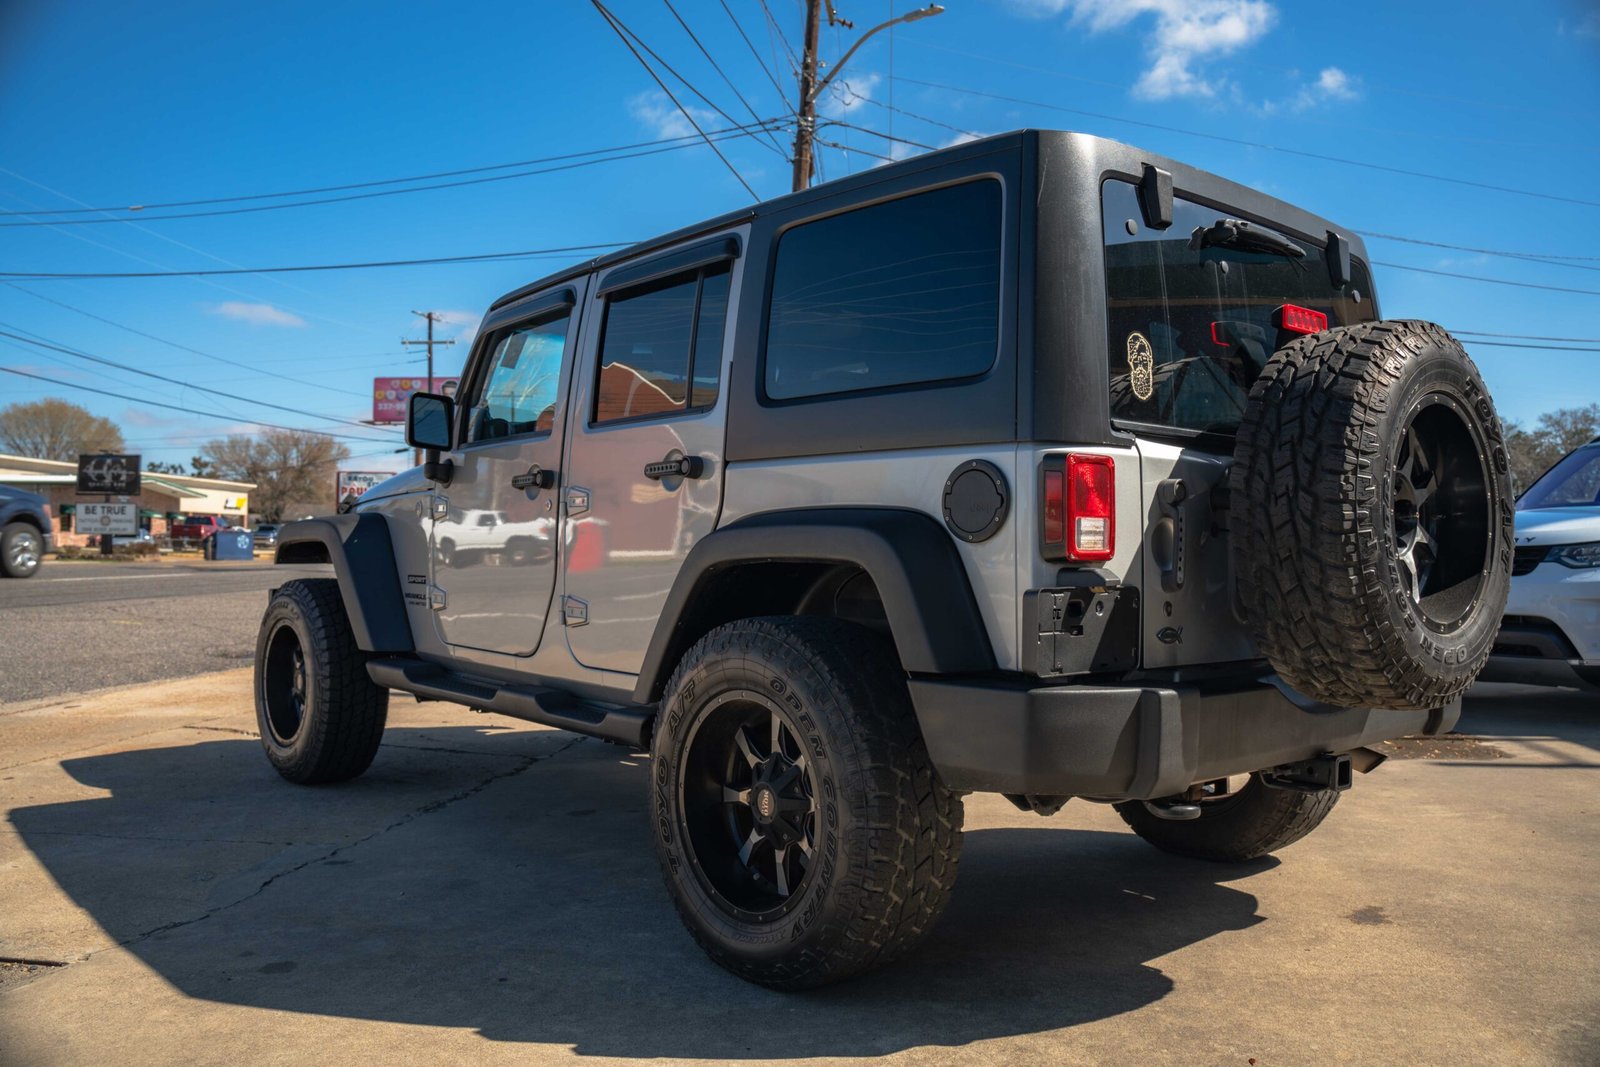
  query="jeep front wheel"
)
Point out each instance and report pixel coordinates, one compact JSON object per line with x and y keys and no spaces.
{"x":321,"y":717}
{"x":802,"y":830}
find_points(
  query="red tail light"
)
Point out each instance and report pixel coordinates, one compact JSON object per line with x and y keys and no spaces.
{"x":1296,"y":319}
{"x":1078,"y":518}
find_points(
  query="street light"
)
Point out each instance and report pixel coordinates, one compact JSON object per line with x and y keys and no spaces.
{"x":810,"y":88}
{"x":910,"y":16}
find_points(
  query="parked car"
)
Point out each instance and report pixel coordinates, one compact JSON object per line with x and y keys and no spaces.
{"x":140,"y":538}
{"x":199,"y":527}
{"x":26,"y":532}
{"x":1040,"y":465}
{"x":1551,"y":631}
{"x":266,"y":535}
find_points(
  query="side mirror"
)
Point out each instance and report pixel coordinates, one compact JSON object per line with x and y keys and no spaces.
{"x":430,"y":420}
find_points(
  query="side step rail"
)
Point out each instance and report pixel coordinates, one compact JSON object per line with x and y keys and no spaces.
{"x":547,"y":707}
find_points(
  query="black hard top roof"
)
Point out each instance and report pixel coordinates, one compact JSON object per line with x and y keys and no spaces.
{"x":1244,"y":197}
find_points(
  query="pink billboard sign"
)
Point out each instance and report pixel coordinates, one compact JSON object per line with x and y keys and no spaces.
{"x":391,"y":395}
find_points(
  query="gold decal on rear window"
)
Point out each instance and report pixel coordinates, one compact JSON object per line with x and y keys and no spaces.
{"x":1141,"y":366}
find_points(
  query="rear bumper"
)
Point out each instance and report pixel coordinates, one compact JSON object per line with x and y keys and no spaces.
{"x":1136,"y":743}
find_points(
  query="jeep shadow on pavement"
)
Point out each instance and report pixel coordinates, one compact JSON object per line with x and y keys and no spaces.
{"x":419,"y":896}
{"x":1039,"y":465}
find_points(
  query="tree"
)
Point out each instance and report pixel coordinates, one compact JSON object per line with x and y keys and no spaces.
{"x":1532,"y":452}
{"x":285,"y":465}
{"x":157,"y":467}
{"x":56,"y":429}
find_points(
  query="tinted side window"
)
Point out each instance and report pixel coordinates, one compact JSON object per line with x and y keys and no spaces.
{"x":519,"y":388}
{"x":898,"y":293}
{"x":662,"y":350}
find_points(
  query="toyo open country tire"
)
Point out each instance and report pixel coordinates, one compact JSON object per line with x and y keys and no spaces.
{"x":802,"y":831}
{"x":1372,"y":516}
{"x":321,"y":717}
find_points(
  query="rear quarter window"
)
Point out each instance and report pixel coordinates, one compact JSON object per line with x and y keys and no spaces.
{"x":895,"y":294}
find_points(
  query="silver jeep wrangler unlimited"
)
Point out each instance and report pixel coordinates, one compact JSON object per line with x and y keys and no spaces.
{"x":1040,"y":465}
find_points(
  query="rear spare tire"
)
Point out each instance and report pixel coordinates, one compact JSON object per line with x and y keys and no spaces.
{"x":1372,"y":526}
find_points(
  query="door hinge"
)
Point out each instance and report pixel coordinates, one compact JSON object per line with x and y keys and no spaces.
{"x":436,"y":598}
{"x":441,"y":507}
{"x":574,"y":612}
{"x":577,"y":500}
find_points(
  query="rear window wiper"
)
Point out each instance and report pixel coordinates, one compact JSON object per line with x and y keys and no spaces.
{"x":1236,"y":233}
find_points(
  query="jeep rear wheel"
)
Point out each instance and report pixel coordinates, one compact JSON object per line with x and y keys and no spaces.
{"x":321,"y":717}
{"x":1255,"y":821}
{"x":802,"y":831}
{"x":1372,"y":513}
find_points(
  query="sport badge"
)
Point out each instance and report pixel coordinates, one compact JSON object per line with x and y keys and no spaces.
{"x":1141,"y":366}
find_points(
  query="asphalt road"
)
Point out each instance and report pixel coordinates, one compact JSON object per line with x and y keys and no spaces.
{"x":487,"y":893}
{"x":75,"y":627}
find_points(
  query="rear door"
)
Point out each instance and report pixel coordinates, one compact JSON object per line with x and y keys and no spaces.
{"x":1190,"y":329}
{"x":495,"y":524}
{"x":645,"y":467}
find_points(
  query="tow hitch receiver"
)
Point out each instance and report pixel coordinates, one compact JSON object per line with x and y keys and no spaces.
{"x":1316,"y":775}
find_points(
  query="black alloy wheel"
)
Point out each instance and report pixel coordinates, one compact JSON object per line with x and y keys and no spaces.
{"x":283,"y":684}
{"x":1441,"y":513}
{"x":749,"y":806}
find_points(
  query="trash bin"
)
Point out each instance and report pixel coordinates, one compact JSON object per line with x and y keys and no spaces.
{"x":230,"y":544}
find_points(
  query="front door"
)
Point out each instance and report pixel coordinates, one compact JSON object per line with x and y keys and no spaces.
{"x":494,"y":535}
{"x":645,"y":470}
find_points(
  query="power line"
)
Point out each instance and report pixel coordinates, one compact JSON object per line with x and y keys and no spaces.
{"x":623,"y":34}
{"x":1365,"y":164}
{"x":76,"y":353}
{"x":1481,"y":278}
{"x":1533,"y":257}
{"x":774,"y":27}
{"x":723,"y":74}
{"x":186,"y":411}
{"x":1528,"y":337}
{"x":751,"y":45}
{"x":1547,"y":348}
{"x":180,"y":347}
{"x":486,"y":257}
{"x":737,"y":130}
{"x":688,"y":140}
{"x":885,"y":136}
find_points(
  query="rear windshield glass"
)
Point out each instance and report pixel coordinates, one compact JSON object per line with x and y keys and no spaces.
{"x":1191,"y":328}
{"x":1572,"y":483}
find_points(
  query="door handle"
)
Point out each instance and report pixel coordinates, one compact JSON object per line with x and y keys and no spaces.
{"x":535,"y":478}
{"x":676,"y":467}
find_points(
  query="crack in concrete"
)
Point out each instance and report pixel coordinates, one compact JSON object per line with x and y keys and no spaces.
{"x":222,"y":730}
{"x":525,"y":762}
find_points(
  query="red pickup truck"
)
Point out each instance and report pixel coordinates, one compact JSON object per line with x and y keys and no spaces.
{"x":199,"y":527}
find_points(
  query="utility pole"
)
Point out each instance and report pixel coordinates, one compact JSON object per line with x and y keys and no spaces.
{"x":430,"y":342}
{"x":805,"y":129}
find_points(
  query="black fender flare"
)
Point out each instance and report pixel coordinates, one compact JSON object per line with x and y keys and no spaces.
{"x":358,"y":546}
{"x":910,"y":557}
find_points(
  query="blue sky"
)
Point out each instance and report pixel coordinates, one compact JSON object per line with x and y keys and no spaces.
{"x":121,"y":104}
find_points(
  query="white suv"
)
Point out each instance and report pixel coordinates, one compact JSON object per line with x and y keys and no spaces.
{"x":1551,"y":631}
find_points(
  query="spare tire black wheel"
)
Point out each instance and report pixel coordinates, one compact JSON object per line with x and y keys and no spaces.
{"x":1372,"y":516}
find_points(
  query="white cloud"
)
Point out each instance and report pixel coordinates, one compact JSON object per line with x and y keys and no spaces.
{"x":1187,"y":32}
{"x":657,"y":113}
{"x":1332,"y":86}
{"x":848,"y":94}
{"x":466,"y":323}
{"x":257,"y":314}
{"x":962,"y":138}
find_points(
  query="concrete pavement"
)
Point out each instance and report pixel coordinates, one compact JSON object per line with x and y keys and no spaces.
{"x":487,"y":893}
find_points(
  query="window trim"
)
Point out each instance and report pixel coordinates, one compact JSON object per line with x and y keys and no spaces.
{"x":700,"y":272}
{"x":563,"y":303}
{"x":766,"y":400}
